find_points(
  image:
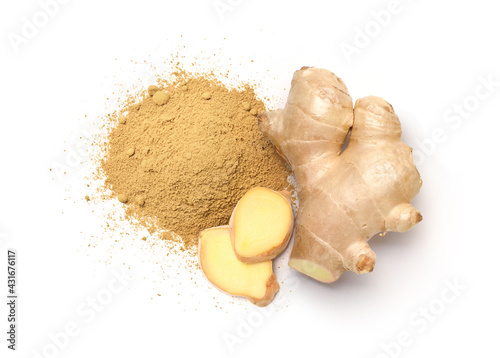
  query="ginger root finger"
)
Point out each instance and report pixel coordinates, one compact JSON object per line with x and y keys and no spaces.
{"x":261,"y":225}
{"x":402,"y":218}
{"x":256,"y":282}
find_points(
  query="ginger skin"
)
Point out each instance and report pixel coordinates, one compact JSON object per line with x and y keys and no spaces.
{"x":344,"y":198}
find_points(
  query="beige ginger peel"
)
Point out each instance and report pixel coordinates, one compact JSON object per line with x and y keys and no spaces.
{"x":344,"y":198}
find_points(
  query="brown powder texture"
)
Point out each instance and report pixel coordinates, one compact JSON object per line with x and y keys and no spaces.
{"x":187,"y":152}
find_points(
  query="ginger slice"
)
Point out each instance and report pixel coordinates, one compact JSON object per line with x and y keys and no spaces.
{"x":261,"y":225}
{"x":256,"y":282}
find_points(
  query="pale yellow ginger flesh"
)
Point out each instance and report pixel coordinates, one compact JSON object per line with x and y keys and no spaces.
{"x":344,"y":198}
{"x":256,"y":282}
{"x":261,"y":225}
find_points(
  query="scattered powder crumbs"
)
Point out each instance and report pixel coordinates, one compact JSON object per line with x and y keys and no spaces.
{"x":181,"y":157}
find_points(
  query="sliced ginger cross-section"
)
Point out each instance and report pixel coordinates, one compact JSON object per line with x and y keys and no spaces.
{"x":256,"y":282}
{"x":261,"y":225}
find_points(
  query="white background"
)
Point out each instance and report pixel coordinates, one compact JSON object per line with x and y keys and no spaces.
{"x":428,"y":59}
